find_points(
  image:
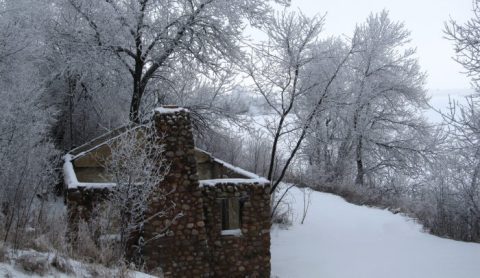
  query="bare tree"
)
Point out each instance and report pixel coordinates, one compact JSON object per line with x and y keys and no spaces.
{"x":452,"y":178}
{"x":374,"y":126}
{"x":455,"y":174}
{"x":278,"y":69}
{"x":465,"y":39}
{"x":137,"y":167}
{"x":205,"y":96}
{"x":148,"y":37}
{"x":28,"y":156}
{"x":387,"y":93}
{"x":307,"y":201}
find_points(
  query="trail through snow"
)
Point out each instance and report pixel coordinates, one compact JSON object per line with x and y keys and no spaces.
{"x":339,"y":239}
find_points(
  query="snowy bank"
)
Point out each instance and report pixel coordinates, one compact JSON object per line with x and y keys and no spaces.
{"x":30,"y":263}
{"x":339,"y":239}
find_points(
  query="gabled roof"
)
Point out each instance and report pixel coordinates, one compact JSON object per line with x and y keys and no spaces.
{"x":82,"y":168}
{"x":103,"y":139}
{"x":246,"y":176}
{"x":70,"y":176}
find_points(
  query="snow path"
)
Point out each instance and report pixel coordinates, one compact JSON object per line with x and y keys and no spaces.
{"x":339,"y":239}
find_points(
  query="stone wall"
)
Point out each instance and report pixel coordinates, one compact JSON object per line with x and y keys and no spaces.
{"x":183,"y":251}
{"x":247,"y":254}
{"x":188,"y":241}
{"x":211,"y":168}
{"x":80,"y":202}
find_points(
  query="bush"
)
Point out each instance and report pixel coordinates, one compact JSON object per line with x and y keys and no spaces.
{"x":33,"y":264}
{"x":3,"y":252}
{"x":282,"y":212}
{"x":283,"y":217}
{"x":89,"y":248}
{"x":62,"y":264}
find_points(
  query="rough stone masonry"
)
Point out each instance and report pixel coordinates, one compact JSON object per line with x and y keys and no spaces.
{"x":194,"y":242}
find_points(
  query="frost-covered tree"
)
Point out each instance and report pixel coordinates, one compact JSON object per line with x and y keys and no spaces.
{"x":453,"y":178}
{"x":467,"y":46}
{"x":277,"y":66}
{"x":136,"y":166}
{"x":325,"y":149}
{"x":28,"y":155}
{"x":149,"y":37}
{"x":374,"y":126}
{"x":387,"y":96}
{"x":205,"y":96}
{"x":278,"y":69}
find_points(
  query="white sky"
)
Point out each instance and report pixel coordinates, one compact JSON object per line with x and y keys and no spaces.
{"x":424,"y":18}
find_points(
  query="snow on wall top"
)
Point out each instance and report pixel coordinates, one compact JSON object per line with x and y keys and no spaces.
{"x":169,"y":109}
{"x":239,"y":170}
{"x":214,"y":182}
{"x":250,"y":178}
{"x":70,"y":178}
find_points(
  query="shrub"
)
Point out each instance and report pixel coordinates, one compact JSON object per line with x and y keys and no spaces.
{"x":3,"y":252}
{"x":62,"y":264}
{"x":33,"y":264}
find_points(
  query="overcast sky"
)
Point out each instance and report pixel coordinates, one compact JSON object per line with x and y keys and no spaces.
{"x":424,"y":18}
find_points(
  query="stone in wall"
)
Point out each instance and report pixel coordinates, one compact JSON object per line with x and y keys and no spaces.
{"x":247,"y":254}
{"x":183,"y":250}
{"x":80,"y":203}
{"x":188,"y":241}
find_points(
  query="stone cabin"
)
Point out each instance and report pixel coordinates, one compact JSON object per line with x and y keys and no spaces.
{"x":224,"y":230}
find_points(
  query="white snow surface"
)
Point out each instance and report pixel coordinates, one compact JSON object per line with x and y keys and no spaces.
{"x":10,"y":268}
{"x":70,"y":178}
{"x":234,"y":232}
{"x":235,"y":169}
{"x":239,"y":170}
{"x":169,"y":110}
{"x":339,"y":239}
{"x":250,"y":177}
{"x":214,"y":182}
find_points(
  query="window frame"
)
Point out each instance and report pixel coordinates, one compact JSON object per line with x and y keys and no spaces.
{"x":229,"y":227}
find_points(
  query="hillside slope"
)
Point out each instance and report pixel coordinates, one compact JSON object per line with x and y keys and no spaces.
{"x":339,"y":239}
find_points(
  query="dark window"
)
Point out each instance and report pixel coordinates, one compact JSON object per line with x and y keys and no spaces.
{"x":231,"y":213}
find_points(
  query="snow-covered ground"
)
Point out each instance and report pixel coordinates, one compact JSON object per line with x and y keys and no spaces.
{"x":339,"y":239}
{"x":44,"y":266}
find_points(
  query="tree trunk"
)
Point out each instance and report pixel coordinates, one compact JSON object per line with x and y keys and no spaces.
{"x":138,"y":90}
{"x":135,"y":105}
{"x":360,"y":169}
{"x":273,"y":153}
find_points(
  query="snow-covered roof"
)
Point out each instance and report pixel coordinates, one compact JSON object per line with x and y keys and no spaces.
{"x":235,"y":169}
{"x":248,"y":177}
{"x":102,"y":140}
{"x":239,"y":170}
{"x":70,"y":176}
{"x":71,"y":181}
